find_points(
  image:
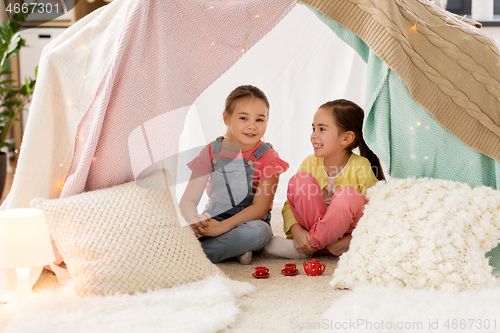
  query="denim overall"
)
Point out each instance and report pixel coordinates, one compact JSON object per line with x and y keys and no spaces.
{"x":231,"y":191}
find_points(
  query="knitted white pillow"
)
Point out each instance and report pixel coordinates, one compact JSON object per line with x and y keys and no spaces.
{"x":124,"y":239}
{"x":423,"y":233}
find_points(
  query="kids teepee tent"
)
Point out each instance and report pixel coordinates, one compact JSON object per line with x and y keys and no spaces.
{"x":115,"y":89}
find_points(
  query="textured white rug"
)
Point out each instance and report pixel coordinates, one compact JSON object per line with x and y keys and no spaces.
{"x":204,"y":306}
{"x":375,"y":308}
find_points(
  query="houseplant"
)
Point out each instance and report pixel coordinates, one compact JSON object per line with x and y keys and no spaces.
{"x":12,"y":97}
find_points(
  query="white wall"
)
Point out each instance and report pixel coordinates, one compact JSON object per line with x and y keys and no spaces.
{"x":494,"y":32}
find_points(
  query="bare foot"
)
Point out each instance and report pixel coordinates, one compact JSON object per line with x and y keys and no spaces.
{"x":340,"y":246}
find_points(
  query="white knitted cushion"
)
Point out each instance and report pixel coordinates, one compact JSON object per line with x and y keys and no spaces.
{"x":124,"y":239}
{"x":423,"y":233}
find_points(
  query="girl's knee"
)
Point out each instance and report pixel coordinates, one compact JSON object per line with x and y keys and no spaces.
{"x":259,"y":231}
{"x":303,"y":183}
{"x":352,"y":196}
{"x":263,"y":230}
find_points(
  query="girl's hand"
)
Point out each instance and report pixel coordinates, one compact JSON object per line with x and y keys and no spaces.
{"x":199,"y":223}
{"x":301,"y":240}
{"x":215,"y":228}
{"x":189,"y":202}
{"x":340,"y":246}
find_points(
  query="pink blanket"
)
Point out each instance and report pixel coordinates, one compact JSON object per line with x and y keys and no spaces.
{"x":169,"y":53}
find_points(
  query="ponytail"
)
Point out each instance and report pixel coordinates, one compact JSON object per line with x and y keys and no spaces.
{"x":374,"y":160}
{"x":349,"y":116}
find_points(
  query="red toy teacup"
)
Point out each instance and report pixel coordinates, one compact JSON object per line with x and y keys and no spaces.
{"x":290,"y":268}
{"x":261,"y":271}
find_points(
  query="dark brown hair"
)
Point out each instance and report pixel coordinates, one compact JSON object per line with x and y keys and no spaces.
{"x":348,"y":116}
{"x":241,"y":92}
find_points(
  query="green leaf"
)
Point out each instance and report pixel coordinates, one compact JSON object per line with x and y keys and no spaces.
{"x":5,"y":72}
{"x":13,"y":42}
{"x":18,"y":17}
{"x":27,"y":85}
{"x":8,"y":144}
{"x":15,"y":26}
{"x":6,"y":81}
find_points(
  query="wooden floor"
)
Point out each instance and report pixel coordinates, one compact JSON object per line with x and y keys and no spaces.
{"x":9,"y":179}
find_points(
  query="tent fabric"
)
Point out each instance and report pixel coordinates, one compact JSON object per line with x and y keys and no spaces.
{"x":450,"y":67}
{"x":170,"y":52}
{"x":70,"y":72}
{"x":118,"y":108}
{"x":82,"y":75}
{"x":404,"y":135}
{"x":114,"y":89}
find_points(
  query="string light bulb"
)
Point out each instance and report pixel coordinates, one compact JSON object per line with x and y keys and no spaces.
{"x":249,"y":18}
{"x":59,"y":184}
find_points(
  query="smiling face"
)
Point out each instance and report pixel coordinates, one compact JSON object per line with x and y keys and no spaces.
{"x":326,"y":138}
{"x":247,"y":123}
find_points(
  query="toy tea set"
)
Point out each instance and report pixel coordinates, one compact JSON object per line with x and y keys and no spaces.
{"x":313,"y":268}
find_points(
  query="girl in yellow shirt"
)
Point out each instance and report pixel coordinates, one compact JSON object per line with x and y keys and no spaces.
{"x":326,"y":196}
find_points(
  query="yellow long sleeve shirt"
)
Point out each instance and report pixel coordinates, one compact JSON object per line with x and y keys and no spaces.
{"x":357,"y":173}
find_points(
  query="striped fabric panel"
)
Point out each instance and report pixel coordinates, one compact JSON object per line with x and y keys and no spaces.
{"x":170,"y":52}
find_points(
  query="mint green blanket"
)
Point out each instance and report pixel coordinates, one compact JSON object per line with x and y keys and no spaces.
{"x":407,"y":138}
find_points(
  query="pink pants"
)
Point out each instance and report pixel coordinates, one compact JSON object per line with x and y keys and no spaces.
{"x":326,"y":225}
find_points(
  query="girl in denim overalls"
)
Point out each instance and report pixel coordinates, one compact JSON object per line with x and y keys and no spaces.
{"x":242,"y":173}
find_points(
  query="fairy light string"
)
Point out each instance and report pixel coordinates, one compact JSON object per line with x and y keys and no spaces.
{"x":209,"y":9}
{"x":83,"y":45}
{"x":447,"y":21}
